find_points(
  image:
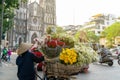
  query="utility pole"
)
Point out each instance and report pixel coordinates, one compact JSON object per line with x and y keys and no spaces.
{"x":1,"y":27}
{"x":26,"y":21}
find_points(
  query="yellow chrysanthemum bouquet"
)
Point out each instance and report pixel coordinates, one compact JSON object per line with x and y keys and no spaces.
{"x":68,"y":56}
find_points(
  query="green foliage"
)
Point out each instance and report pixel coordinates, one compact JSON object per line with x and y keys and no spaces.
{"x":89,"y":35}
{"x":49,"y":30}
{"x":11,"y":3}
{"x":77,"y":36}
{"x":54,"y":36}
{"x":92,"y":37}
{"x":69,"y":40}
{"x":111,"y":32}
{"x":86,"y":54}
{"x":9,"y":6}
{"x":60,"y":30}
{"x":24,"y":1}
{"x":57,"y":29}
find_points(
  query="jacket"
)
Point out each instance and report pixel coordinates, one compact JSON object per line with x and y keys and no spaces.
{"x":25,"y":63}
{"x":9,"y":52}
{"x":38,"y":54}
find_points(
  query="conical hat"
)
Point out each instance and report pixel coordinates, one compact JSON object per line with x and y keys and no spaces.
{"x":23,"y":48}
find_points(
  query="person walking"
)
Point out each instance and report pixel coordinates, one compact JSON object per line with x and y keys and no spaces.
{"x":25,"y":62}
{"x":4,"y":54}
{"x":9,"y":54}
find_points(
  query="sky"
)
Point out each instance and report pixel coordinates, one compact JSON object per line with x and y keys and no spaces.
{"x":77,"y":12}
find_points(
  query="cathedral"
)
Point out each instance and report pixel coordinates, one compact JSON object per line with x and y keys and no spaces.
{"x":31,"y":20}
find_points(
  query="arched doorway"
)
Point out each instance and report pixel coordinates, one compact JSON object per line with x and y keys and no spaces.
{"x":33,"y":37}
{"x":20,"y":40}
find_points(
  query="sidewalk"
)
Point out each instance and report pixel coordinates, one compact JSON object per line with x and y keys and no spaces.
{"x":8,"y":70}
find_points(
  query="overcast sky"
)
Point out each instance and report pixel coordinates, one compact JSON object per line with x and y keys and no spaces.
{"x":76,"y":12}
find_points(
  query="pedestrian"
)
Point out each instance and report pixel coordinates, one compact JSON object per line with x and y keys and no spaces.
{"x":118,"y":51}
{"x":9,"y":54}
{"x":25,"y":62}
{"x":104,"y":52}
{"x":4,"y":54}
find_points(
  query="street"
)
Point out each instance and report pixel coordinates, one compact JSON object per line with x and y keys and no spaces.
{"x":101,"y":72}
{"x":71,"y":34}
{"x":8,"y":71}
{"x":96,"y":71}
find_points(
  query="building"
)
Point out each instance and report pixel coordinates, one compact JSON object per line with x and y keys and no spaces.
{"x":31,"y":21}
{"x":20,"y":25}
{"x":35,"y":26}
{"x":49,"y":7}
{"x":117,"y":40}
{"x":71,"y":29}
{"x":99,"y":22}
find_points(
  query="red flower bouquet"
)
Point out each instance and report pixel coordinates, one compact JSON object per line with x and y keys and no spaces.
{"x":52,"y":44}
{"x":60,"y":43}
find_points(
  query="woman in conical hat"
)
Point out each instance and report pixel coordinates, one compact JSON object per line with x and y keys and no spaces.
{"x":23,"y":47}
{"x":25,"y":62}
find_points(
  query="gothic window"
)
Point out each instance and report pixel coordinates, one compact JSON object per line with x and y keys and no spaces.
{"x":98,"y":32}
{"x":52,"y":9}
{"x":24,"y":16}
{"x":33,"y":37}
{"x":34,"y":20}
{"x":35,"y":9}
{"x":52,"y":20}
{"x":98,"y":27}
{"x":20,"y":40}
{"x":20,"y":15}
{"x":47,"y":20}
{"x":24,"y":29}
{"x":16,"y":14}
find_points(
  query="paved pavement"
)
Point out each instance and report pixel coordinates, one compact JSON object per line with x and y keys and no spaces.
{"x":97,"y":71}
{"x":8,"y":70}
{"x":8,"y":73}
{"x":101,"y":72}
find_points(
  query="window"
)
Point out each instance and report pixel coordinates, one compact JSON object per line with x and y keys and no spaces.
{"x":98,"y":32}
{"x":98,"y":27}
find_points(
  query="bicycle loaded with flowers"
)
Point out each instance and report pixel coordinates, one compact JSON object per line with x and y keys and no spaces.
{"x":66,"y":57}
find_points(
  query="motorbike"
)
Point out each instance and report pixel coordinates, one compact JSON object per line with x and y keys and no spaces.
{"x":106,"y":58}
{"x":118,"y":57}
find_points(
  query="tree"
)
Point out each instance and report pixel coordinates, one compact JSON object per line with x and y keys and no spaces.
{"x":9,"y":6}
{"x":81,"y":36}
{"x":88,"y":36}
{"x":92,"y":37}
{"x":60,"y":30}
{"x":55,"y":29}
{"x":111,"y":32}
{"x":49,"y":30}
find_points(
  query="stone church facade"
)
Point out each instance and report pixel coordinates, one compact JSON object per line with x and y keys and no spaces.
{"x":31,"y":21}
{"x":35,"y":22}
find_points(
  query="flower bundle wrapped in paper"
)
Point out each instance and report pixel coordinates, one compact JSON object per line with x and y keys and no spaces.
{"x":68,"y":56}
{"x":52,"y":48}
